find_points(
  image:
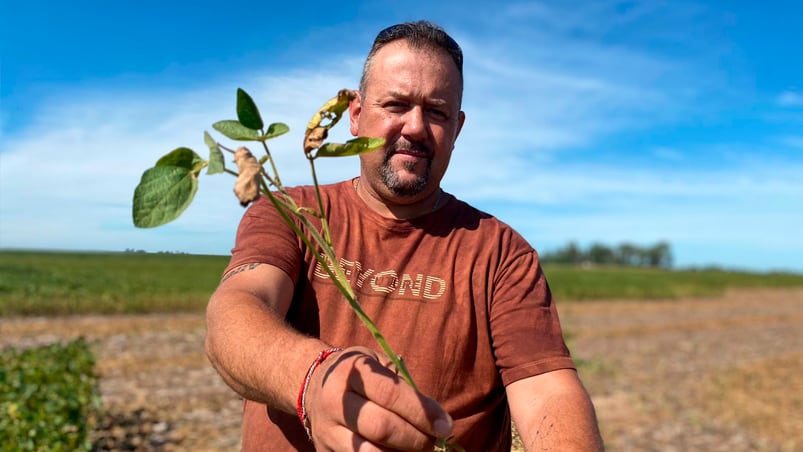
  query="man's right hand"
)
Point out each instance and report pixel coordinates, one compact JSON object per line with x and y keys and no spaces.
{"x":355,"y":401}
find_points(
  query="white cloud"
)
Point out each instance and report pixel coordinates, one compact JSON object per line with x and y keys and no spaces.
{"x":792,"y":141}
{"x":668,"y":154}
{"x":790,"y":99}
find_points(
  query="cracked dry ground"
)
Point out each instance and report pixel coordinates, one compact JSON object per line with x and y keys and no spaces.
{"x":710,"y":374}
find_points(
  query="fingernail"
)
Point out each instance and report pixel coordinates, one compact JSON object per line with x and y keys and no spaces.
{"x":443,"y":427}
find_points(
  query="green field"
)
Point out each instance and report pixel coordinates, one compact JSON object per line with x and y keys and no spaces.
{"x":44,"y":283}
{"x":578,"y":283}
{"x":55,"y":283}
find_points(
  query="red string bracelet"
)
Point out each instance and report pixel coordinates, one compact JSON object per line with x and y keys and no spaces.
{"x":302,"y":393}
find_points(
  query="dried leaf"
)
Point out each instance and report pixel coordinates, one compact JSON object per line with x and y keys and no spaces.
{"x":247,"y":185}
{"x":314,"y":139}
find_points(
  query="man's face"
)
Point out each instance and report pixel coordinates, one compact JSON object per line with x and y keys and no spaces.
{"x":412,"y":100}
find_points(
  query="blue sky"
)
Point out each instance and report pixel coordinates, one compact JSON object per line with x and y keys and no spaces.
{"x":598,"y":121}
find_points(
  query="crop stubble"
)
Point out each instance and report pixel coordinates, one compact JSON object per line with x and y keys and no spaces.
{"x":719,"y":373}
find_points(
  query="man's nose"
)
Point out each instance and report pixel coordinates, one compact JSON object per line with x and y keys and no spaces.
{"x":414,"y":124}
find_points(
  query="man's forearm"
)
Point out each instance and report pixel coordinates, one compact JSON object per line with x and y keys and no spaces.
{"x":567,"y":423}
{"x":553,"y":411}
{"x":256,"y":353}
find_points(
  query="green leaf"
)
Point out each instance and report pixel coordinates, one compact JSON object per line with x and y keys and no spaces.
{"x":247,"y":111}
{"x":183,"y":158}
{"x":356,"y":146}
{"x":274,"y":130}
{"x":233,"y":129}
{"x":163,"y":193}
{"x":217,"y":164}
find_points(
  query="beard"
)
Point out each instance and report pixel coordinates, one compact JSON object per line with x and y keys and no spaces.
{"x":391,"y":179}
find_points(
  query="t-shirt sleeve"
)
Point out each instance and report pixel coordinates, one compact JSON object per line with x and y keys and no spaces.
{"x":525,"y":328}
{"x":263,"y":237}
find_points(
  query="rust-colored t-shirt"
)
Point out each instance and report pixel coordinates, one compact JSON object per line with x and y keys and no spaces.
{"x":459,"y":294}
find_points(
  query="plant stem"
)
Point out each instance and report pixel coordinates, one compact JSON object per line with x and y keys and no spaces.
{"x":277,"y":182}
{"x":324,"y":223}
{"x":326,"y":257}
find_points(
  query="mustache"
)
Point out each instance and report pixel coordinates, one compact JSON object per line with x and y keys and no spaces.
{"x":408,"y":146}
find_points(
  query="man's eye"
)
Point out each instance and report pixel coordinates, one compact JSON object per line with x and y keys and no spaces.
{"x":438,"y":114}
{"x":395,"y":106}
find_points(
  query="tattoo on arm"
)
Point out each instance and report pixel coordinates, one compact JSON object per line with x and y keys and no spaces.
{"x":544,"y":429}
{"x":239,"y":269}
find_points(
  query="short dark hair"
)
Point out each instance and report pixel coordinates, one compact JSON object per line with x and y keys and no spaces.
{"x":419,"y":34}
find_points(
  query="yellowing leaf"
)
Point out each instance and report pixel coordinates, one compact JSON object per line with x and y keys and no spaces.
{"x":318,"y":126}
{"x":333,"y":109}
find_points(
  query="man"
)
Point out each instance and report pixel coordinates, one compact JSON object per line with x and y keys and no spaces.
{"x":458,"y":294}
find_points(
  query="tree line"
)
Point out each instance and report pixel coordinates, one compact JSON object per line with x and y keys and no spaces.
{"x":658,"y":255}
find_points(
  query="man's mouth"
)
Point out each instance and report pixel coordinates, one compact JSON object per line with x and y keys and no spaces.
{"x":412,"y":153}
{"x":412,"y":149}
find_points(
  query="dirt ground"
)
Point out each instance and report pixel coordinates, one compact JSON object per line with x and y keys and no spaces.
{"x":711,"y":374}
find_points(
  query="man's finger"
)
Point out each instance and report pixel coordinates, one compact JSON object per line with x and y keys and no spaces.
{"x":342,"y":438}
{"x":381,"y":426}
{"x":384,"y":388}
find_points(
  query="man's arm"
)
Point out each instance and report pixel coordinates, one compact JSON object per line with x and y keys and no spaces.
{"x":352,"y":398}
{"x":247,"y":336}
{"x":553,"y":411}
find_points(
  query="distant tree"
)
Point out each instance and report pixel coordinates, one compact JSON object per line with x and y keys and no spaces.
{"x":626,"y":254}
{"x":573,"y":253}
{"x":601,"y":254}
{"x":660,"y":255}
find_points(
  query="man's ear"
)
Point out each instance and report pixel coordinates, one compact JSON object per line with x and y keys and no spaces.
{"x":355,"y":108}
{"x":461,"y":118}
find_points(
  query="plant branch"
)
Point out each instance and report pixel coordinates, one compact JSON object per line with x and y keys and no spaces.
{"x":272,"y":164}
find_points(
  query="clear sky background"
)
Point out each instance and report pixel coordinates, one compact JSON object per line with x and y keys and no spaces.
{"x":598,"y":121}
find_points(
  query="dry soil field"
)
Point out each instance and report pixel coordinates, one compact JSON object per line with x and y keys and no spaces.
{"x":717,"y":374}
